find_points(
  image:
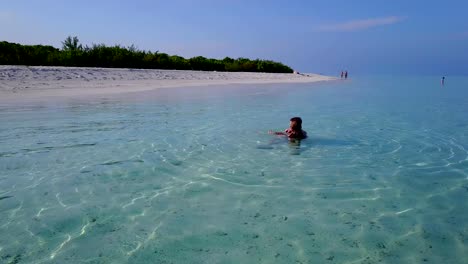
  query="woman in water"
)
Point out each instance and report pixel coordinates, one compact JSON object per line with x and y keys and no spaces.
{"x":294,"y":131}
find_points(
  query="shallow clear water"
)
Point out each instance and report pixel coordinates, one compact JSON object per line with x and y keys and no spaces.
{"x":191,"y":176}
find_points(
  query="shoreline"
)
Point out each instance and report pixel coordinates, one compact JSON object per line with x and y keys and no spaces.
{"x":29,"y":83}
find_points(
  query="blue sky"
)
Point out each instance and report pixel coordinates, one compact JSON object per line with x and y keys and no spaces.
{"x":362,"y":36}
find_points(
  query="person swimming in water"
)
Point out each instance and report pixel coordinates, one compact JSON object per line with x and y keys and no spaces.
{"x":294,"y":132}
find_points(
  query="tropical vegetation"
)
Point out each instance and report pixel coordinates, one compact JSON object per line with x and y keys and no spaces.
{"x":75,"y":54}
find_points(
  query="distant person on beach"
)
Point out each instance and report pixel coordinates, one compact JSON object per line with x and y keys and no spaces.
{"x":294,"y":131}
{"x":342,"y":74}
{"x":442,"y":81}
{"x":346,"y":74}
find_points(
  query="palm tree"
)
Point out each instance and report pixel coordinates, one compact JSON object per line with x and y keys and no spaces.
{"x":71,"y":44}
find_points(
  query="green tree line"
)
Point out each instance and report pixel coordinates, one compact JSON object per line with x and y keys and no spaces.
{"x":99,"y":55}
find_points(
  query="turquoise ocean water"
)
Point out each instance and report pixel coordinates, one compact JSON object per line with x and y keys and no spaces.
{"x":190,"y":175}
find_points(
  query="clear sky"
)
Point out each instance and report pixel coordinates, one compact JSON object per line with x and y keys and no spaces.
{"x":362,"y":36}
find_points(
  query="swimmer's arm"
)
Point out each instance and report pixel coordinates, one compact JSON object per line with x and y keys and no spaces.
{"x":277,"y":133}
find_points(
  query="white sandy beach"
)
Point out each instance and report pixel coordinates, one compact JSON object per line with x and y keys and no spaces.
{"x":19,"y":83}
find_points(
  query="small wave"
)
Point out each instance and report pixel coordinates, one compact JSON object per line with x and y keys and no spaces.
{"x":116,"y":162}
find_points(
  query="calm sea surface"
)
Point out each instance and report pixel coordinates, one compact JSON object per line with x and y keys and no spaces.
{"x":192,"y":176}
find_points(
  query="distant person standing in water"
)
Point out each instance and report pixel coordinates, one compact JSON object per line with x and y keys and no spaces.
{"x":342,"y":74}
{"x":346,"y":74}
{"x":442,"y":81}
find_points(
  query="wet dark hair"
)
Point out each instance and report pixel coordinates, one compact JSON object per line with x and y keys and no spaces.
{"x":298,"y":121}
